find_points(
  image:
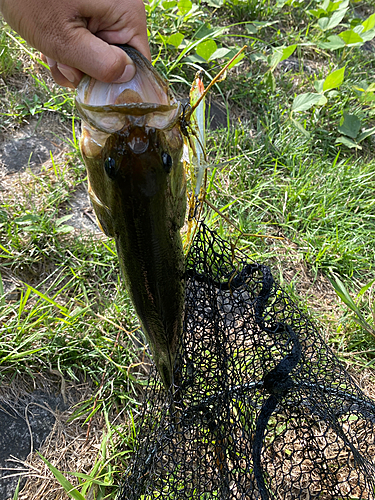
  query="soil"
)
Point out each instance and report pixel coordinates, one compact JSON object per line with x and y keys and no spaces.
{"x":30,"y":145}
{"x":35,"y":415}
{"x":25,"y":423}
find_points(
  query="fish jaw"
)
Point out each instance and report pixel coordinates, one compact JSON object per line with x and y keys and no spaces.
{"x":144,"y":101}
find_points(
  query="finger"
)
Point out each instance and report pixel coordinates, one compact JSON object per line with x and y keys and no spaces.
{"x":58,"y":75}
{"x":98,"y":59}
{"x":118,"y":37}
{"x":73,"y":75}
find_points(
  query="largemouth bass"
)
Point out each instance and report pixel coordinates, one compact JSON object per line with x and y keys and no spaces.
{"x":132,"y":146}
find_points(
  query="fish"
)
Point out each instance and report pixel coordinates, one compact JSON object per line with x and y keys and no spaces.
{"x":132,"y":145}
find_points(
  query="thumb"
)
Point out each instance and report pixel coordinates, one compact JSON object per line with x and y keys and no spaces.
{"x":98,"y":59}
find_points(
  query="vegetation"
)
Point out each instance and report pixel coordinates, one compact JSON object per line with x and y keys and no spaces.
{"x":293,"y":158}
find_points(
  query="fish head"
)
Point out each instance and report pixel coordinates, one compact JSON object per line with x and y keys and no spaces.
{"x":144,"y":161}
{"x":132,"y":144}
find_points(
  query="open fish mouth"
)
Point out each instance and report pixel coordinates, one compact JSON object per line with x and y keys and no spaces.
{"x":144,"y":101}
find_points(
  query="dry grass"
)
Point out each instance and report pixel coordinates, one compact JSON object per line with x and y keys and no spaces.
{"x":69,"y":446}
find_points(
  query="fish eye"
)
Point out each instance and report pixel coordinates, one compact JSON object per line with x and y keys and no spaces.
{"x":110,"y":167}
{"x":167,"y":162}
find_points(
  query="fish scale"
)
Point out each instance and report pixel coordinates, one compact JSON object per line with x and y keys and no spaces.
{"x":138,"y":190}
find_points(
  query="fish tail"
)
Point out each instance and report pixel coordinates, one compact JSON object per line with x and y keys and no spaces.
{"x":165,"y":369}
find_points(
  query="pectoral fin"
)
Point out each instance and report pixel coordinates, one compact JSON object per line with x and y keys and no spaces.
{"x":102,"y":213}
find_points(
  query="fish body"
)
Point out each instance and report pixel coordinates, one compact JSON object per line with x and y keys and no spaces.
{"x":132,"y":147}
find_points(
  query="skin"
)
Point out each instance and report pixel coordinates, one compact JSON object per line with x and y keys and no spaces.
{"x":74,"y":35}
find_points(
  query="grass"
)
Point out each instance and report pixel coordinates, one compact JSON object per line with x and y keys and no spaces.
{"x":274,"y":172}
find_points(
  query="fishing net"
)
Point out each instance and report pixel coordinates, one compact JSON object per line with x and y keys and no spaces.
{"x":261,"y":407}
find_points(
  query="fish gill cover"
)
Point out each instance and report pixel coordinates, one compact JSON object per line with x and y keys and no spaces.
{"x":263,"y":408}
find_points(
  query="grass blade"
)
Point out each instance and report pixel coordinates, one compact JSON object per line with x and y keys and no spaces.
{"x":67,"y":485}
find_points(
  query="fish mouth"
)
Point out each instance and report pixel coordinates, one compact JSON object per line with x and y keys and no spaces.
{"x":144,"y":101}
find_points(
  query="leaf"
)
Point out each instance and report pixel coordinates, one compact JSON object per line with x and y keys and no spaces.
{"x":90,"y":479}
{"x":175,"y":39}
{"x":333,"y":93}
{"x":68,"y":487}
{"x":343,"y":293}
{"x":368,"y":35}
{"x":169,"y":4}
{"x":334,"y":42}
{"x":288,"y":51}
{"x":303,"y":102}
{"x":350,"y":37}
{"x":45,"y":297}
{"x":349,"y":143}
{"x":258,"y":56}
{"x":236,"y":61}
{"x":322,"y":101}
{"x":327,"y":23}
{"x":360,"y":87}
{"x":369,"y":23}
{"x":346,"y":298}
{"x":358,"y":29}
{"x":163,"y":41}
{"x":334,"y":79}
{"x":220,"y":53}
{"x":194,"y":58}
{"x":21,"y":355}
{"x":184,"y":6}
{"x":269,"y":80}
{"x":280,"y":54}
{"x":365,"y":288}
{"x":350,"y":125}
{"x":204,"y":31}
{"x":206,"y":49}
{"x":300,"y":127}
{"x":332,"y":6}
{"x":364,"y":91}
{"x":264,"y":24}
{"x":366,"y":133}
{"x":17,"y":490}
{"x":344,"y":4}
{"x":26,"y":220}
{"x":64,"y":229}
{"x":251,"y":29}
{"x":317,"y":12}
{"x":63,"y":219}
{"x":318,"y":84}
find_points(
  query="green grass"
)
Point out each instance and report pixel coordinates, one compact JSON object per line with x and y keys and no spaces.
{"x":287,"y":174}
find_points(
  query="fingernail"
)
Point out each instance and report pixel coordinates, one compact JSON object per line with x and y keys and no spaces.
{"x":51,"y":62}
{"x":67,"y":72}
{"x":128,"y":73}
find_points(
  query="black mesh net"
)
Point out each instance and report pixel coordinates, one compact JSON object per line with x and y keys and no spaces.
{"x":261,"y":407}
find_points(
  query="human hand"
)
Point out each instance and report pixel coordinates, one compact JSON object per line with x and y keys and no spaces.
{"x":74,"y":35}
